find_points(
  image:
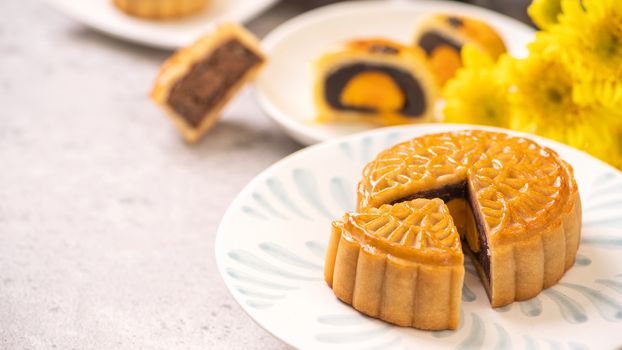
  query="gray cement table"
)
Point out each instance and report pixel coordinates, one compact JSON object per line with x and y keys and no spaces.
{"x":107,"y":219}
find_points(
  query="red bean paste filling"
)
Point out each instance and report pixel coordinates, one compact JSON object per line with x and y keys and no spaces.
{"x":414,"y":105}
{"x":453,"y":191}
{"x":210,"y":79}
{"x":433,"y":39}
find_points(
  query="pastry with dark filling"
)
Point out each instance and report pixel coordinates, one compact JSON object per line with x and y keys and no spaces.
{"x":375,"y":80}
{"x":196,"y":83}
{"x":442,"y":37}
{"x":401,"y":263}
{"x":160,"y":9}
{"x":514,"y":202}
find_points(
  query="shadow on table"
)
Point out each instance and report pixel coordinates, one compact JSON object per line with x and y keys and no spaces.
{"x":234,"y":134}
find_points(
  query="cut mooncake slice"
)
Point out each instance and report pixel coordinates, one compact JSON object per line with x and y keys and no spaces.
{"x":515,"y":202}
{"x":442,"y":37}
{"x":401,"y":263}
{"x":375,"y":80}
{"x":196,"y":83}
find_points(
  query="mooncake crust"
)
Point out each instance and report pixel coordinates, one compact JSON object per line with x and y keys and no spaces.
{"x":470,"y":31}
{"x":160,"y":9}
{"x":180,"y":64}
{"x":524,"y":193}
{"x":374,"y":51}
{"x":379,"y":261}
{"x":442,"y":37}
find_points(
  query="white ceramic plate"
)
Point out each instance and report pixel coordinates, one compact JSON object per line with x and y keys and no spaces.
{"x":285,"y":86}
{"x":172,"y":34}
{"x":270,"y":251}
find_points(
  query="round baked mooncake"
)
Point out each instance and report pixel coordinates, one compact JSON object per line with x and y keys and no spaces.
{"x":515,"y":204}
{"x":402,"y":263}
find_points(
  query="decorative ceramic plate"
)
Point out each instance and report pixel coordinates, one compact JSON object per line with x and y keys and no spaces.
{"x":271,"y":242}
{"x":170,"y":34}
{"x":284,"y":88}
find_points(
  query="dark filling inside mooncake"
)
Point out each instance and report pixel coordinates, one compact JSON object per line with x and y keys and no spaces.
{"x":210,"y":79}
{"x":414,"y":98}
{"x":481,"y":255}
{"x":380,"y":48}
{"x":455,"y":22}
{"x":446,"y":193}
{"x":430,"y":40}
{"x":460,"y":190}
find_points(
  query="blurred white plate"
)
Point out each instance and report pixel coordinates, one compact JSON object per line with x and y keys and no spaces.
{"x":285,"y":86}
{"x":271,"y":243}
{"x":171,"y":34}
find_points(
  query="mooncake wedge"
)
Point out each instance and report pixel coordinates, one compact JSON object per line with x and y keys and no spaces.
{"x":401,"y":263}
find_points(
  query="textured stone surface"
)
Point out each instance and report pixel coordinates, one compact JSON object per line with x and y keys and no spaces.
{"x":107,"y":219}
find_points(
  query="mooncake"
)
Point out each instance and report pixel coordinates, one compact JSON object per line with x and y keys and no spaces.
{"x":442,"y":37}
{"x":401,"y":263}
{"x":374,"y":80}
{"x":197,"y":82}
{"x":514,"y":203}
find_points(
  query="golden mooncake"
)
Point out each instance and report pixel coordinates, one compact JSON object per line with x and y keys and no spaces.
{"x":519,"y":197}
{"x":160,"y":9}
{"x":515,"y":206}
{"x":442,"y":37}
{"x":375,"y":80}
{"x":196,"y":83}
{"x":401,"y":263}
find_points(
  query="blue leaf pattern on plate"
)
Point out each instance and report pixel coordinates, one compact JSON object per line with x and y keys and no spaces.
{"x":258,"y":304}
{"x":605,"y":241}
{"x":617,"y":286}
{"x":278,"y":191}
{"x":252,"y":261}
{"x":342,"y":193}
{"x":244,"y":277}
{"x":366,"y":155}
{"x":530,"y":344}
{"x":287,"y":256}
{"x":531,"y":307}
{"x":608,"y":307}
{"x":467,"y":293}
{"x":503,"y":338}
{"x":570,"y":309}
{"x":253,"y":213}
{"x":346,"y":150}
{"x":308,"y":189}
{"x":264,"y":204}
{"x":582,"y":260}
{"x":317,"y":248}
{"x":475,"y":339}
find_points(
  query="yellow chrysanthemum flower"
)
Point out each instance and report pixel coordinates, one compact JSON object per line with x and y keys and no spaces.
{"x":590,"y":32}
{"x":542,"y":103}
{"x":476,"y":95}
{"x":544,"y":12}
